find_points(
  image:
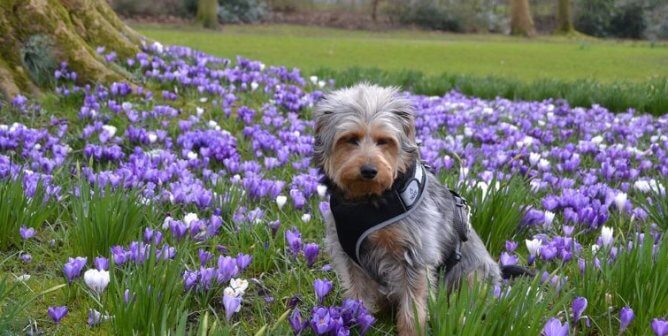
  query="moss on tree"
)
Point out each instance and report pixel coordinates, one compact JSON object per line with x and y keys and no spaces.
{"x":564,"y":17}
{"x":521,"y":22}
{"x":207,"y":13}
{"x":76,"y":28}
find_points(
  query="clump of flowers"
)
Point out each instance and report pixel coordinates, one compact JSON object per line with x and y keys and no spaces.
{"x":334,"y":320}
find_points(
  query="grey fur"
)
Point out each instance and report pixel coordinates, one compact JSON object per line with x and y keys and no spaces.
{"x":428,"y":232}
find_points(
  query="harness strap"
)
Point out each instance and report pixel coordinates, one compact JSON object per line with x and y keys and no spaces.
{"x":461,"y":224}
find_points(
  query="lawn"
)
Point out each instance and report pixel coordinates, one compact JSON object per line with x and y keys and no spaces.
{"x":208,"y":178}
{"x":311,"y":48}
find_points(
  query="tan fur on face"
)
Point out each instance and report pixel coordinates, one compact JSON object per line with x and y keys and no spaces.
{"x":366,"y":144}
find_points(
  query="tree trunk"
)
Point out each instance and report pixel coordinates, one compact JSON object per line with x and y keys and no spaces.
{"x":38,"y":34}
{"x":207,"y":13}
{"x":564,"y":17}
{"x":374,"y":10}
{"x":521,"y":22}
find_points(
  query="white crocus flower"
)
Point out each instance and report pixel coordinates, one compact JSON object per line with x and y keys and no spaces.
{"x":152,"y":137}
{"x":620,"y":201}
{"x":533,"y":246}
{"x":239,"y":286}
{"x":306,"y":218}
{"x":322,"y":190}
{"x":158,"y":47}
{"x":96,"y":280}
{"x":189,"y":218}
{"x":23,"y":278}
{"x":111,"y":130}
{"x":314,"y":79}
{"x":534,"y":158}
{"x":549,"y":218}
{"x":484,"y":187}
{"x":165,"y":223}
{"x":595,"y":248}
{"x":606,"y":236}
{"x":254,"y":86}
{"x":543,"y":164}
{"x":281,"y":200}
{"x":191,"y":155}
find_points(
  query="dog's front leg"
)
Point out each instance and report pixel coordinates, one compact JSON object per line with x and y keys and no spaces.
{"x":412,"y":293}
{"x":357,"y":283}
{"x":362,"y":287}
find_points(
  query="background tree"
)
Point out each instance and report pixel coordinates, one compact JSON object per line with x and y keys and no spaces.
{"x":35,"y":35}
{"x":564,"y":17}
{"x":521,"y":22}
{"x":207,"y":13}
{"x":374,"y":10}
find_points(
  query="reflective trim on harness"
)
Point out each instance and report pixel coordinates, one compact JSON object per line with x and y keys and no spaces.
{"x":414,"y":195}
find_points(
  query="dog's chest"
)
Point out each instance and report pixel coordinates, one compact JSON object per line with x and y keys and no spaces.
{"x":392,"y":240}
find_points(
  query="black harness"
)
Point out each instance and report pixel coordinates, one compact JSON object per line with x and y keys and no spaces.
{"x":356,"y":220}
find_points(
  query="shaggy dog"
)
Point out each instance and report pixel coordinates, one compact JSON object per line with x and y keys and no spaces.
{"x":365,"y":146}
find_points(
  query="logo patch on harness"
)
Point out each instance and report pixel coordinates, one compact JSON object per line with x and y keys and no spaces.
{"x":411,"y":193}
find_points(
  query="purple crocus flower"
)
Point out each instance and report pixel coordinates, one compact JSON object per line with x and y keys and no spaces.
{"x":232,"y":305}
{"x":148,"y":235}
{"x":508,"y":259}
{"x":365,"y":321}
{"x":127,"y":296}
{"x":322,"y":288}
{"x":660,"y":327}
{"x":296,"y":321}
{"x":548,"y":252}
{"x":26,"y":232}
{"x":243,"y":260}
{"x":274,"y":225}
{"x":204,"y":256}
{"x":94,"y":317}
{"x":26,"y":257}
{"x":294,"y":240}
{"x":101,"y":263}
{"x":582,"y":265}
{"x":73,"y":268}
{"x":227,"y":268}
{"x":321,"y":322}
{"x":178,"y":229}
{"x":625,"y":317}
{"x":511,"y":246}
{"x":190,"y":279}
{"x":553,"y":327}
{"x":119,"y":255}
{"x":311,"y":251}
{"x":579,"y":305}
{"x":57,"y":313}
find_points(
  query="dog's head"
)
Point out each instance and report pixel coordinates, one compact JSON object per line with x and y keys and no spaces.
{"x":365,"y":137}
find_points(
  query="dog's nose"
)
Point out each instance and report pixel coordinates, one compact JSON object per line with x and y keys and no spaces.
{"x":368,"y":172}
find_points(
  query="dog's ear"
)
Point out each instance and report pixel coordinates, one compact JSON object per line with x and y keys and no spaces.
{"x":403,"y":109}
{"x":321,"y":116}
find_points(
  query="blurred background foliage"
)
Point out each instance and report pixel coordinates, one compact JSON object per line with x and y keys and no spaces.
{"x":634,"y":19}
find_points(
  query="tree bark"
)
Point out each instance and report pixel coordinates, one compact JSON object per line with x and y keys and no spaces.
{"x":521,"y":22}
{"x":374,"y":10}
{"x":207,"y":13}
{"x":564,"y":17}
{"x":73,"y":29}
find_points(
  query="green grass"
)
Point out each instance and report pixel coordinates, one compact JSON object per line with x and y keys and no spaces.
{"x":649,"y":96}
{"x":637,"y":278}
{"x":433,"y":53}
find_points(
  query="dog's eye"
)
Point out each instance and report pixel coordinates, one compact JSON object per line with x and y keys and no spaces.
{"x":353,"y":141}
{"x":382,"y":142}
